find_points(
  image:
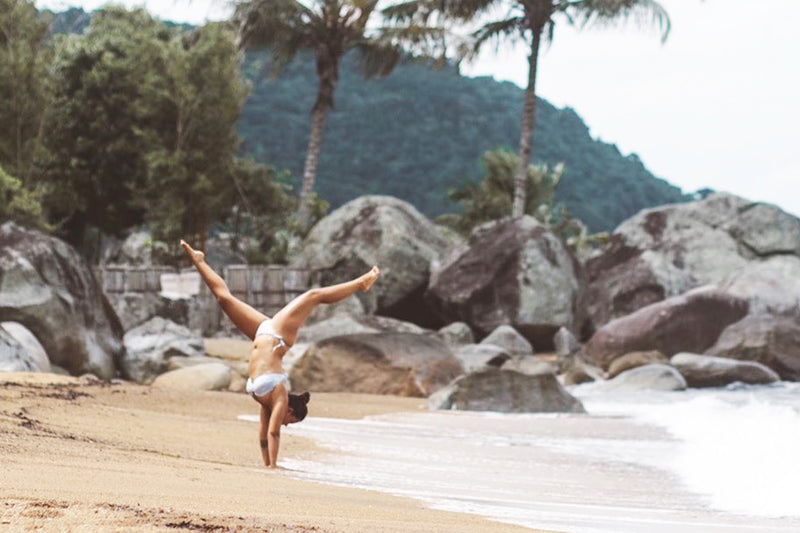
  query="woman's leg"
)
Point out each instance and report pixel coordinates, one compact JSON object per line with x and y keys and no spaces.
{"x":244,"y":317}
{"x":288,"y":320}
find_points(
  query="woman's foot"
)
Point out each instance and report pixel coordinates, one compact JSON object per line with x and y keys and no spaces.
{"x":369,"y":278}
{"x":195,"y":255}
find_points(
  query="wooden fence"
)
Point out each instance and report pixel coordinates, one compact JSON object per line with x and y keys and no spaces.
{"x":265,"y":287}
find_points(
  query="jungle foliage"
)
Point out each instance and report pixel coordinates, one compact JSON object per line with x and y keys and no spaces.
{"x":136,"y":125}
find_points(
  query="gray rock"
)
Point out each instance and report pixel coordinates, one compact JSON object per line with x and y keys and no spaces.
{"x":456,"y":334}
{"x":773,"y":341}
{"x":530,"y":365}
{"x":211,"y":376}
{"x":507,"y":337}
{"x":710,"y":371}
{"x":516,"y":272}
{"x":384,"y":231}
{"x":506,"y":391}
{"x":648,"y":377}
{"x":14,"y":357}
{"x":565,"y":344}
{"x":150,"y":345}
{"x":182,"y":361}
{"x":636,"y":359}
{"x":135,"y":250}
{"x":36,"y":357}
{"x":475,"y":356}
{"x":687,"y":323}
{"x":134,"y":309}
{"x":221,"y":251}
{"x":578,"y":371}
{"x":348,"y":306}
{"x":345,"y":324}
{"x":404,"y":364}
{"x":46,"y":286}
{"x":771,"y":286}
{"x":666,"y":251}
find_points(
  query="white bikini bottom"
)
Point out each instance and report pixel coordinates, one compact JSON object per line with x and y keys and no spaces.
{"x":265,"y":383}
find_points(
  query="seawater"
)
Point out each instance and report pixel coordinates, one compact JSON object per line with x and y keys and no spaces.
{"x":697,"y":460}
{"x":737,"y":445}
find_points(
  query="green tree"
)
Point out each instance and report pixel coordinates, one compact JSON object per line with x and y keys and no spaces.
{"x":192,"y":168}
{"x":491,"y":198}
{"x":100,"y":132}
{"x":19,"y":204}
{"x":25,"y":56}
{"x":529,"y":22}
{"x":329,"y":28}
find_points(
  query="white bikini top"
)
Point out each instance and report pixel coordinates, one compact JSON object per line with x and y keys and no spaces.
{"x":265,"y":328}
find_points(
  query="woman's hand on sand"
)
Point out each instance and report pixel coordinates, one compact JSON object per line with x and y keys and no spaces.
{"x":195,"y":255}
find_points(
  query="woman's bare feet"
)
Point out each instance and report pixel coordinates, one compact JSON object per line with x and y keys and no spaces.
{"x":369,"y":278}
{"x":195,"y":255}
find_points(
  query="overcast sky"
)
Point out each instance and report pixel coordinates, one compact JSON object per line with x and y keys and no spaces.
{"x":715,"y":106}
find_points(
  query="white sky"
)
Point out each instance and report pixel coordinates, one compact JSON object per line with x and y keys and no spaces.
{"x":717,"y":105}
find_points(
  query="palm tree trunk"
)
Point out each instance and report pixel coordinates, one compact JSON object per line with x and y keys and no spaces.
{"x":318,"y":117}
{"x":528,"y":125}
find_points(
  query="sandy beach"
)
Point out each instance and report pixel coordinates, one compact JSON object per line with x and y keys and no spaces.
{"x":81,"y":455}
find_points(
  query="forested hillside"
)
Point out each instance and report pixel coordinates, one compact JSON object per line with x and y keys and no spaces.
{"x":420,"y":131}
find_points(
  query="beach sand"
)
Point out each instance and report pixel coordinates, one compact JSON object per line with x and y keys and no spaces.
{"x":83,"y":455}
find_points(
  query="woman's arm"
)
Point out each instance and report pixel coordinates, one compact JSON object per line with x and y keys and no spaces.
{"x":274,"y":430}
{"x":262,"y":434}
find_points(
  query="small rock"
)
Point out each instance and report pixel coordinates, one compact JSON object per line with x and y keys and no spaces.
{"x":509,"y":338}
{"x":506,"y":391}
{"x":710,"y":371}
{"x":211,"y":376}
{"x":635,"y":359}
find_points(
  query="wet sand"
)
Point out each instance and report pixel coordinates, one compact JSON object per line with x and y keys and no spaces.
{"x":78,"y":455}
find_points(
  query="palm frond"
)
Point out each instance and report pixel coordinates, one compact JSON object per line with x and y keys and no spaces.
{"x":512,"y":29}
{"x":610,"y":12}
{"x":261,"y":23}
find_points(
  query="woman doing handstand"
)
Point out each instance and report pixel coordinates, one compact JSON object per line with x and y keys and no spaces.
{"x":272,"y":338}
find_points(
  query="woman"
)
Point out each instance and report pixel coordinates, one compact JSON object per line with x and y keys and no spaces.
{"x":272,"y":338}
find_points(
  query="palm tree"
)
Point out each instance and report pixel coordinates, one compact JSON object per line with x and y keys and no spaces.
{"x":329,"y":28}
{"x":529,"y":21}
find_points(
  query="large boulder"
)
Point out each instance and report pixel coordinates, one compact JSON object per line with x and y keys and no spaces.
{"x":648,"y":377}
{"x":514,"y":272}
{"x":709,"y":371}
{"x":404,"y":364}
{"x":210,"y":376}
{"x":665,"y":251}
{"x":773,"y":341}
{"x":383,"y":231}
{"x":47,"y":287}
{"x":150,"y":345}
{"x":506,"y":391}
{"x":690,"y":322}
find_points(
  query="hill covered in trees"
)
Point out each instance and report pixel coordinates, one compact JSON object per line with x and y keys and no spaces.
{"x":420,"y":132}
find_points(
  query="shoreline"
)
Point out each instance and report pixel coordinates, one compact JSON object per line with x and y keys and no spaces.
{"x":80,"y":454}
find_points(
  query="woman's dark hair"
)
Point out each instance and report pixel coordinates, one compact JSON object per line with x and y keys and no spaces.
{"x":298,"y":403}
